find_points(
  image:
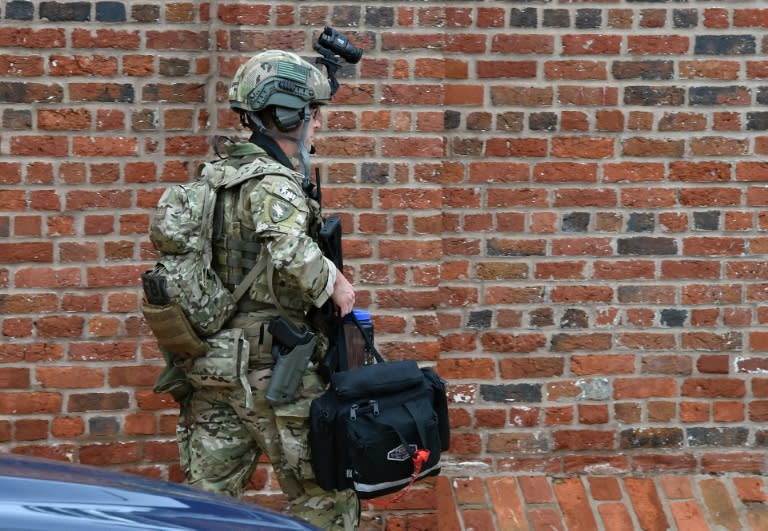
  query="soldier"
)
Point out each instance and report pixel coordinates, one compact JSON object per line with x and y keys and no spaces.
{"x":271,"y":219}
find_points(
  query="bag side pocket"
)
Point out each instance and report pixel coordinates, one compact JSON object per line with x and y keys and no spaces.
{"x":380,"y":445}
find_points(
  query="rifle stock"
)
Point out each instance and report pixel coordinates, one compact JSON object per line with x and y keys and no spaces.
{"x":330,"y":243}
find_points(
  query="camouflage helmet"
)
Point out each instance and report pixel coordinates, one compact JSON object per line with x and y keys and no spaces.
{"x":275,"y":77}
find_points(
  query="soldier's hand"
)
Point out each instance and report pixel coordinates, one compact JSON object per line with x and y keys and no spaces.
{"x":343,"y":294}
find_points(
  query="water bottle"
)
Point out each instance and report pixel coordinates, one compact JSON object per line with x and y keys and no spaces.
{"x":358,"y":353}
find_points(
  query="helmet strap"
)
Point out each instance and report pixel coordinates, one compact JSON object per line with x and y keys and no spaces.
{"x":258,"y":128}
{"x":302,"y":141}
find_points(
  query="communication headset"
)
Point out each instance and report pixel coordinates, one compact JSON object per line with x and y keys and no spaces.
{"x":287,"y":119}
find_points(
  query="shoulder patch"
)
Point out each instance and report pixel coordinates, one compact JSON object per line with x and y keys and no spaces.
{"x":288,"y":193}
{"x":280,"y":210}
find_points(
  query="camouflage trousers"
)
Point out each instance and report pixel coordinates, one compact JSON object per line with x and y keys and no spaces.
{"x":221,"y":441}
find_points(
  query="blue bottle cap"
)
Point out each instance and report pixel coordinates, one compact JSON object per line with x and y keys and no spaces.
{"x":363,"y":316}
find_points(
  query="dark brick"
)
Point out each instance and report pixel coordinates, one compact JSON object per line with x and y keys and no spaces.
{"x":346,"y":16}
{"x":380,"y":17}
{"x":717,"y":95}
{"x":588,"y":18}
{"x":762,"y":95}
{"x":65,"y":12}
{"x":523,"y":18}
{"x":673,"y":317}
{"x":144,"y":120}
{"x":110,"y":12}
{"x":757,"y":121}
{"x":145,"y":13}
{"x":116,"y":93}
{"x":725,"y":45}
{"x":478,"y":121}
{"x":5,"y":226}
{"x":556,"y":18}
{"x":732,"y":437}
{"x":640,"y":222}
{"x":467,"y":146}
{"x":647,"y":246}
{"x":643,"y":70}
{"x":706,"y":220}
{"x":103,"y":426}
{"x":17,"y":10}
{"x":347,"y":71}
{"x":685,"y":18}
{"x":17,"y":119}
{"x":510,"y":121}
{"x":374,"y":173}
{"x":651,"y":438}
{"x":97,"y":402}
{"x":175,"y":93}
{"x":647,"y":95}
{"x":570,"y":342}
{"x":761,"y":438}
{"x":451,"y":119}
{"x":30,"y":93}
{"x":542,"y":317}
{"x":498,"y":248}
{"x":174,"y":67}
{"x":576,"y":222}
{"x":516,"y":393}
{"x":542,"y":121}
{"x":480,"y":319}
{"x":574,"y":318}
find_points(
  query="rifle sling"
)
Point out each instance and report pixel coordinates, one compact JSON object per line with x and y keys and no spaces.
{"x":250,"y":277}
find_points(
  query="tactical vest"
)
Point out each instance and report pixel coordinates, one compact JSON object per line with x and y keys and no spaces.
{"x":236,"y":247}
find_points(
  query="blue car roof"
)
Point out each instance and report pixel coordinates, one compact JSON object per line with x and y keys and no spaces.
{"x":43,"y":494}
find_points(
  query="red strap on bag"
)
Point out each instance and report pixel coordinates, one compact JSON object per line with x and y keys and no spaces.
{"x":419,"y":458}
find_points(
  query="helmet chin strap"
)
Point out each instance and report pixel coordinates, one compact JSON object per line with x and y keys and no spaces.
{"x":302,"y":143}
{"x":303,"y":153}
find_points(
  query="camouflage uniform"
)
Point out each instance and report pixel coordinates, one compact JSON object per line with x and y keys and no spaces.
{"x":220,"y":438}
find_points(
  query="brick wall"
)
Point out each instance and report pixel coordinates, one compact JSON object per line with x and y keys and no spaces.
{"x":559,"y":204}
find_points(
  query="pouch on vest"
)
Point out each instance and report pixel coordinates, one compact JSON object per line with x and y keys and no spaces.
{"x":225,"y":365}
{"x":173,"y":330}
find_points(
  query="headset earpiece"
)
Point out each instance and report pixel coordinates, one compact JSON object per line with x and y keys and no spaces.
{"x":286,"y":119}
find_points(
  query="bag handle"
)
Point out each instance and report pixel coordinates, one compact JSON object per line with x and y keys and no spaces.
{"x":411,"y":411}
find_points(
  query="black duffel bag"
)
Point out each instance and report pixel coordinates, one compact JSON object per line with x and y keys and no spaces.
{"x":379,"y":427}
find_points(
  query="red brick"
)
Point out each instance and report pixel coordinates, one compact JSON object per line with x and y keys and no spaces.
{"x":549,"y":519}
{"x":536,"y":489}
{"x":646,"y":503}
{"x":604,"y":488}
{"x":718,"y":504}
{"x":751,"y":489}
{"x":688,"y":516}
{"x":677,"y":487}
{"x":574,"y":503}
{"x":615,"y":517}
{"x":468,"y":491}
{"x":481,"y":519}
{"x":507,"y":504}
{"x":447,"y":513}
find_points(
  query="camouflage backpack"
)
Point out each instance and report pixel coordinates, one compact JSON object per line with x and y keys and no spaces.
{"x":185,"y":299}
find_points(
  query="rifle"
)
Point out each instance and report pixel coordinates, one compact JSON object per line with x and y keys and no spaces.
{"x":335,"y":359}
{"x":332,"y":46}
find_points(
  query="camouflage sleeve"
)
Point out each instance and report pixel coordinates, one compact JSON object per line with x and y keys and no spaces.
{"x":281,"y":217}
